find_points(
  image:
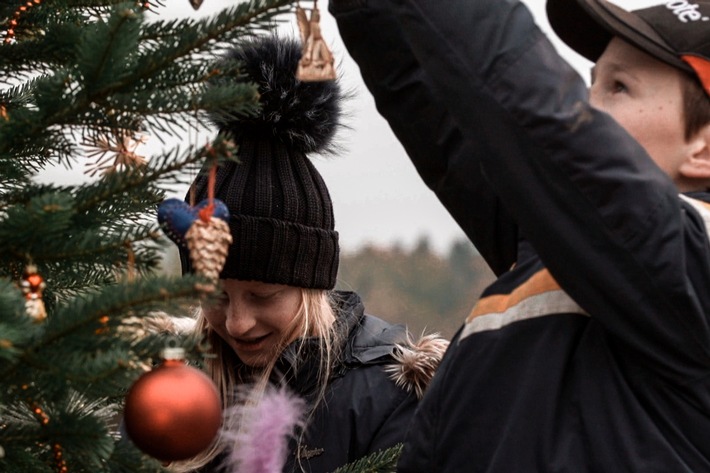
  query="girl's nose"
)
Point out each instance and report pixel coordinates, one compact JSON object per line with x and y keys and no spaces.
{"x":239,"y":322}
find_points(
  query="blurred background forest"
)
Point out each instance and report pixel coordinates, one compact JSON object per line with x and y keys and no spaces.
{"x":426,"y":289}
{"x":422,"y":288}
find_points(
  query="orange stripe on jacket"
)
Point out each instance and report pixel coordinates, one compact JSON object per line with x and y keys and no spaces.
{"x":540,"y":282}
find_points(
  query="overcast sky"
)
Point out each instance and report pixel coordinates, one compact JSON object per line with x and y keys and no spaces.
{"x":377,"y":196}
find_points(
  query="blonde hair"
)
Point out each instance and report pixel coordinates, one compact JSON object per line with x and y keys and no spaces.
{"x":315,"y":319}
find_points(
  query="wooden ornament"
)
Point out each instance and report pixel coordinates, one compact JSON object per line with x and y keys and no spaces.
{"x":317,"y":62}
{"x":32,"y":286}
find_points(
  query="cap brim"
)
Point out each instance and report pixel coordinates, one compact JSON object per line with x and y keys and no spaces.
{"x":587,"y":26}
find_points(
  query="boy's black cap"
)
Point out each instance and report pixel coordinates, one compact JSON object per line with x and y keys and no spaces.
{"x":676,"y":32}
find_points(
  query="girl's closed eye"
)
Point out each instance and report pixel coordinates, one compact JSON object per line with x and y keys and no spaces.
{"x":265,"y":295}
{"x":219,"y":303}
{"x":223,"y":298}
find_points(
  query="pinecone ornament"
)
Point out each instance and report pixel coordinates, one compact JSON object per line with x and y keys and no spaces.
{"x":208,"y":242}
{"x":203,"y":230}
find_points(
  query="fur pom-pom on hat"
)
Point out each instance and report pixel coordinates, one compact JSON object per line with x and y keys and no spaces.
{"x":302,"y":115}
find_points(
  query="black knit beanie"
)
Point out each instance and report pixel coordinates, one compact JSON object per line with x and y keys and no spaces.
{"x":281,"y":219}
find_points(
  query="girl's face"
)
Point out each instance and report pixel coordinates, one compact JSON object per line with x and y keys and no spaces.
{"x":254,"y":318}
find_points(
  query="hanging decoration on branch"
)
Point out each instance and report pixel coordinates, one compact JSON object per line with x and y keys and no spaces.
{"x":43,"y":418}
{"x":12,"y":24}
{"x":59,"y":461}
{"x":173,"y":412}
{"x":196,"y":4}
{"x":118,"y":148}
{"x":32,"y":286}
{"x":317,"y":62}
{"x":203,"y":229}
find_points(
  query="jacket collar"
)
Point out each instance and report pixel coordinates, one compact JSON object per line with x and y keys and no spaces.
{"x":699,"y":195}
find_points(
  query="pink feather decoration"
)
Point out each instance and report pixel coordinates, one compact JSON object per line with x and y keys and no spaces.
{"x":259,"y":440}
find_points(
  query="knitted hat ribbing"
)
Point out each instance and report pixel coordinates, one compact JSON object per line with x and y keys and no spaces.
{"x":281,"y":213}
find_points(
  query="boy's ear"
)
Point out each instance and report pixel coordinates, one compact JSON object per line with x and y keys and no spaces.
{"x":697,"y":163}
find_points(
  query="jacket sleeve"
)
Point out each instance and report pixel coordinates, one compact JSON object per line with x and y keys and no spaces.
{"x":447,"y":163}
{"x":606,"y":221}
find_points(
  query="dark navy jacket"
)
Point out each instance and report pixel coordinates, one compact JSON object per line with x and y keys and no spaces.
{"x":591,"y":352}
{"x":364,"y":410}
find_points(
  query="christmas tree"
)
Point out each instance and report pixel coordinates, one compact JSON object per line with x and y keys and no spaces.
{"x":84,"y":84}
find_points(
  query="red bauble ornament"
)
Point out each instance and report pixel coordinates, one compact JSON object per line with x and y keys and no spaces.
{"x":173,"y":412}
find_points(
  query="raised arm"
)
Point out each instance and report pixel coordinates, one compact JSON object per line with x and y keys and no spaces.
{"x":605,"y":220}
{"x":448,"y":164}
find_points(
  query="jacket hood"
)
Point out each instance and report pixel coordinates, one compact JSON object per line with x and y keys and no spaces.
{"x":369,"y":341}
{"x":410,"y":363}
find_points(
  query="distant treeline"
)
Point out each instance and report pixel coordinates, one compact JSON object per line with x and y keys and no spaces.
{"x":427,"y":291}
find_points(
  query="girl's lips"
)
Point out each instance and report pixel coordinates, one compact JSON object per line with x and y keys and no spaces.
{"x":251,"y":344}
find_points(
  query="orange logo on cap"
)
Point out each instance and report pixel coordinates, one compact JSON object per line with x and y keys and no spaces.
{"x":701,"y":66}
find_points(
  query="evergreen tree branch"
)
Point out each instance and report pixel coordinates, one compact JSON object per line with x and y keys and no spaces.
{"x":69,"y":95}
{"x":382,"y":461}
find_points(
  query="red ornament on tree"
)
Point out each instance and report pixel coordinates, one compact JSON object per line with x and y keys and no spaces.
{"x":173,"y":412}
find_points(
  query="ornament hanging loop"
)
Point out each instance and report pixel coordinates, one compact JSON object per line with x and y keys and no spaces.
{"x":173,"y":350}
{"x":317,"y":62}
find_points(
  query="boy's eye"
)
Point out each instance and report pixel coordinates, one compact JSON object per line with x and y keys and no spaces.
{"x":618,"y":86}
